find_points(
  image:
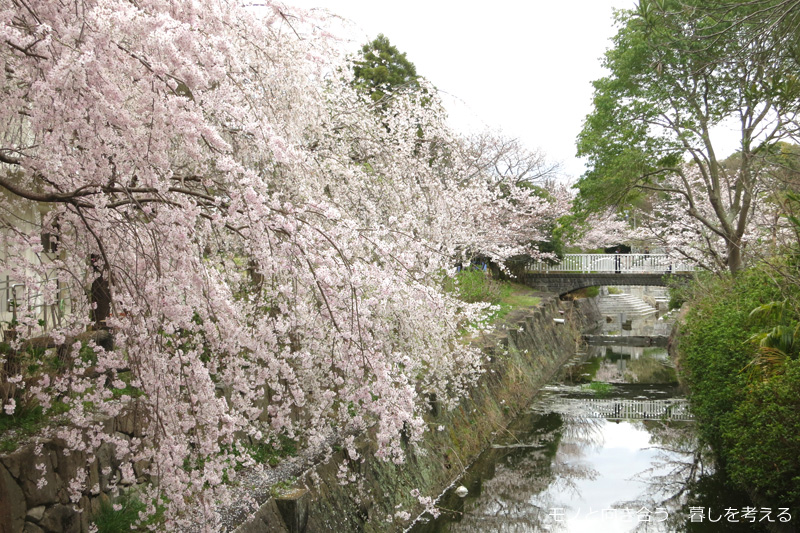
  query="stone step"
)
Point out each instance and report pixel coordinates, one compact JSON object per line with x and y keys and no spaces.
{"x":615,"y":304}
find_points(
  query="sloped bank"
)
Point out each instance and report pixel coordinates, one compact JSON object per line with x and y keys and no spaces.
{"x":525,"y":354}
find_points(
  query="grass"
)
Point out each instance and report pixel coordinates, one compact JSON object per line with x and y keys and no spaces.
{"x":474,"y":285}
{"x":26,"y":421}
{"x":601,"y":389}
{"x":516,"y":296}
{"x":109,"y":520}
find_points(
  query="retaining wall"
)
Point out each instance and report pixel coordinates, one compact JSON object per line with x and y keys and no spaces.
{"x":524,"y":356}
{"x":28,"y":506}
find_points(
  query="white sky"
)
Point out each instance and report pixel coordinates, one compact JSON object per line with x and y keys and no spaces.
{"x":524,"y":67}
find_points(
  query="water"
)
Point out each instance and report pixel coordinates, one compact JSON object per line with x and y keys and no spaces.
{"x":609,"y":447}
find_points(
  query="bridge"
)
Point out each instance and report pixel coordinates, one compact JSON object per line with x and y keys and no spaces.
{"x":577,"y":271}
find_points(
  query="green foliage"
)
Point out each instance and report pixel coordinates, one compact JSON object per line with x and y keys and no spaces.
{"x":27,"y":420}
{"x":619,"y":147}
{"x":678,"y":68}
{"x":381,"y":69}
{"x":281,"y":488}
{"x":586,"y":292}
{"x":763,"y":437}
{"x":752,"y":425}
{"x":714,"y":348}
{"x":475,"y":285}
{"x":601,"y":389}
{"x":273,"y":451}
{"x":109,"y":520}
{"x":764,"y":449}
{"x":126,"y":517}
{"x":680,"y":291}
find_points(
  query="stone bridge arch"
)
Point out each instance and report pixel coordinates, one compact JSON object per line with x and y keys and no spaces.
{"x":566,"y":282}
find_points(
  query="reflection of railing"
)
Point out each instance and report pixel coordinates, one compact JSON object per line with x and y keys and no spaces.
{"x":675,"y":409}
{"x":16,"y":298}
{"x":627,"y":263}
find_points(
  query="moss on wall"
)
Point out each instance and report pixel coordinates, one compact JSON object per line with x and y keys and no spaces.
{"x":525,"y":352}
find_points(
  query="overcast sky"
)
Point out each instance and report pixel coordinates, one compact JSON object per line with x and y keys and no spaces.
{"x":522,"y":66}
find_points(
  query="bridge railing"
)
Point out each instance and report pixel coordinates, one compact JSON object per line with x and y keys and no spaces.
{"x":623,"y":263}
{"x":675,"y":409}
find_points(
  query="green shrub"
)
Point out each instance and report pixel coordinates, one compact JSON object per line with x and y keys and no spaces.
{"x":714,"y":348}
{"x":753,"y":426}
{"x":763,"y":437}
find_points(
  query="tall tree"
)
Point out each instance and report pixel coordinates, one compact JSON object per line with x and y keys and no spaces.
{"x":264,"y":247}
{"x":677,"y":73}
{"x":381,"y":69}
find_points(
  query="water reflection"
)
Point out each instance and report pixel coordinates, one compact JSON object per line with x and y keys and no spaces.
{"x":565,"y":467}
{"x":623,"y":364}
{"x":565,"y":473}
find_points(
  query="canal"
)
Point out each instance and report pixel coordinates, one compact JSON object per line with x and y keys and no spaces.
{"x":609,"y":446}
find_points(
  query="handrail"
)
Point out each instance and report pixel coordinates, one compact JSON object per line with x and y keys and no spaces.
{"x":619,"y":263}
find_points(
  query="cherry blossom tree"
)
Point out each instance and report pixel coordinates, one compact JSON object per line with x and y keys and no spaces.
{"x":680,"y":73}
{"x":680,"y":226}
{"x":670,"y":222}
{"x":264,"y":251}
{"x":601,"y":230}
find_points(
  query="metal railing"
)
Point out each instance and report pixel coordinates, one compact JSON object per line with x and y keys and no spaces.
{"x":621,"y":263}
{"x":675,"y":409}
{"x":623,"y":408}
{"x":15,"y":296}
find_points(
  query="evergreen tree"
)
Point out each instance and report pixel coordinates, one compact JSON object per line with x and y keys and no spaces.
{"x":381,"y":69}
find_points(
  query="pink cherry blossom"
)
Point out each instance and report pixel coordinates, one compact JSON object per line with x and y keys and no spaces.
{"x":272,"y":247}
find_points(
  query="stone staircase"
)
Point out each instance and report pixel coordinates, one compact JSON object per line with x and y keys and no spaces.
{"x":616,"y":304}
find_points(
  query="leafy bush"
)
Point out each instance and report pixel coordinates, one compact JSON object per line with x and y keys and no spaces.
{"x":714,"y":348}
{"x":752,"y":426}
{"x":763,"y":437}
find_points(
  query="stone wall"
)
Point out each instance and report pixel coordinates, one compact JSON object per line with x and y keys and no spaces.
{"x":27,"y":507}
{"x":525,"y":355}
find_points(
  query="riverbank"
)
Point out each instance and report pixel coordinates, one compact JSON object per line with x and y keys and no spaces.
{"x":743,"y":392}
{"x":524,"y":352}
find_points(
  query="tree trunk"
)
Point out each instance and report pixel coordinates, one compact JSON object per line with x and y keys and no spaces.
{"x":101,"y":294}
{"x":734,"y":256}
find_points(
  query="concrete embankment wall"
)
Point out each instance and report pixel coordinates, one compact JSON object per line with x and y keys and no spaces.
{"x":525,"y":354}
